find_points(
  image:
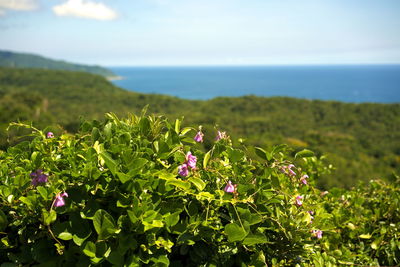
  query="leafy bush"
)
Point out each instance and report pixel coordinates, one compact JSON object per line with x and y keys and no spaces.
{"x":141,"y":191}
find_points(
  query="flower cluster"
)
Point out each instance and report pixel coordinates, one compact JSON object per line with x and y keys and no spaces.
{"x":288,"y":170}
{"x":199,"y":137}
{"x":190,"y":162}
{"x":317,"y":233}
{"x":299,"y":200}
{"x":38,"y":177}
{"x":221,"y":135}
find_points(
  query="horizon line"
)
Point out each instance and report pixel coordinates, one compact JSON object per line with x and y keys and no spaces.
{"x":248,"y":65}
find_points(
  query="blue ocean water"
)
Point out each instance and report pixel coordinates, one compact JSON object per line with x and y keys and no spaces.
{"x":355,"y":83}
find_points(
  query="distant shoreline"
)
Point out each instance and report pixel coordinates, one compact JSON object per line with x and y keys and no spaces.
{"x":114,"y":78}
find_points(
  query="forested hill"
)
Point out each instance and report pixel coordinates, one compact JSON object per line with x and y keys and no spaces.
{"x":360,"y":140}
{"x":23,"y":60}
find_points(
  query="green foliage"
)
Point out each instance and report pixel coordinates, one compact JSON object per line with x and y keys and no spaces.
{"x":125,"y":204}
{"x":360,"y":140}
{"x":23,"y":60}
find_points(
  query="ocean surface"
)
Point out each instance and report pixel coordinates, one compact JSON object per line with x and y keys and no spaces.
{"x":355,"y":83}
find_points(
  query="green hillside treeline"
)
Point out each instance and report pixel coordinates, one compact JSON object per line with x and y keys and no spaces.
{"x":24,"y":60}
{"x":360,"y":140}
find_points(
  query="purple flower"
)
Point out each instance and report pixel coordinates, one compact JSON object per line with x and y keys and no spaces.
{"x":38,"y":177}
{"x":299,"y":200}
{"x":50,"y":135}
{"x":230,"y":188}
{"x":59,"y":200}
{"x":304,"y":178}
{"x":317,"y":233}
{"x":199,"y":137}
{"x":191,"y":160}
{"x":183,"y":170}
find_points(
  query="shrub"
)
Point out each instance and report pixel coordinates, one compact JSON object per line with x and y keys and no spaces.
{"x":141,"y":191}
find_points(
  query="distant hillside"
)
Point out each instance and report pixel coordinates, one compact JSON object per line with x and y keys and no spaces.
{"x":22,"y":60}
{"x":360,"y":140}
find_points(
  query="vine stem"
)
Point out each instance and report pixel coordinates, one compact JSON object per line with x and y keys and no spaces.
{"x":48,"y":226}
{"x":237,"y":214}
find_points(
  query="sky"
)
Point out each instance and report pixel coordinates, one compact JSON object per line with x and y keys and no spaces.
{"x":206,"y":32}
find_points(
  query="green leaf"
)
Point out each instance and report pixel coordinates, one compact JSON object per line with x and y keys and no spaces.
{"x":177,"y":125}
{"x":198,"y":183}
{"x":104,"y":224}
{"x":305,"y":153}
{"x":144,"y":125}
{"x":180,"y":184}
{"x":65,"y":236}
{"x":166,"y":175}
{"x":278,"y":148}
{"x":42,"y":191}
{"x":90,"y":249}
{"x":235,"y":155}
{"x":253,"y":239}
{"x":365,"y":236}
{"x":261,"y":153}
{"x":185,"y":130}
{"x":110,"y":163}
{"x":275,"y":182}
{"x":206,"y":159}
{"x":234,"y":232}
{"x":49,"y":217}
{"x":254,"y":219}
{"x":172,"y":219}
{"x":123,"y":177}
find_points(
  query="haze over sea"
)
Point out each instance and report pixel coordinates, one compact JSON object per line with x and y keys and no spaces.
{"x":347,"y":83}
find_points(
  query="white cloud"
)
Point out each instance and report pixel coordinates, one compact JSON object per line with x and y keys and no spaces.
{"x":85,"y":9}
{"x":17,"y":5}
{"x":2,"y":12}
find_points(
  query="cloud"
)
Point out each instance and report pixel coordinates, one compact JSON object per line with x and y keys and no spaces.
{"x":22,"y":5}
{"x":85,"y":9}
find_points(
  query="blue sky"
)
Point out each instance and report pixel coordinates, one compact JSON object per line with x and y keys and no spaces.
{"x":207,"y":32}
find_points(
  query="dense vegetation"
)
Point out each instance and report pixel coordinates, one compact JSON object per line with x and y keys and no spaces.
{"x":23,"y":60}
{"x":360,"y":140}
{"x":141,"y":191}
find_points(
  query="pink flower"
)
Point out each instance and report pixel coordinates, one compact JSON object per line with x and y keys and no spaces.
{"x":38,"y":177}
{"x":304,"y":178}
{"x":191,"y":160}
{"x":59,"y":201}
{"x":291,"y":172}
{"x":50,"y":135}
{"x":220,"y":135}
{"x":183,"y":170}
{"x":299,"y":200}
{"x":199,"y":137}
{"x":288,"y":170}
{"x":317,"y":233}
{"x":230,"y":188}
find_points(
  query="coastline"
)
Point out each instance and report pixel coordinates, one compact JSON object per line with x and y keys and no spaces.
{"x":114,"y":78}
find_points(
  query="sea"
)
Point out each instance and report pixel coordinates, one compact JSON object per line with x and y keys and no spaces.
{"x":346,"y":83}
